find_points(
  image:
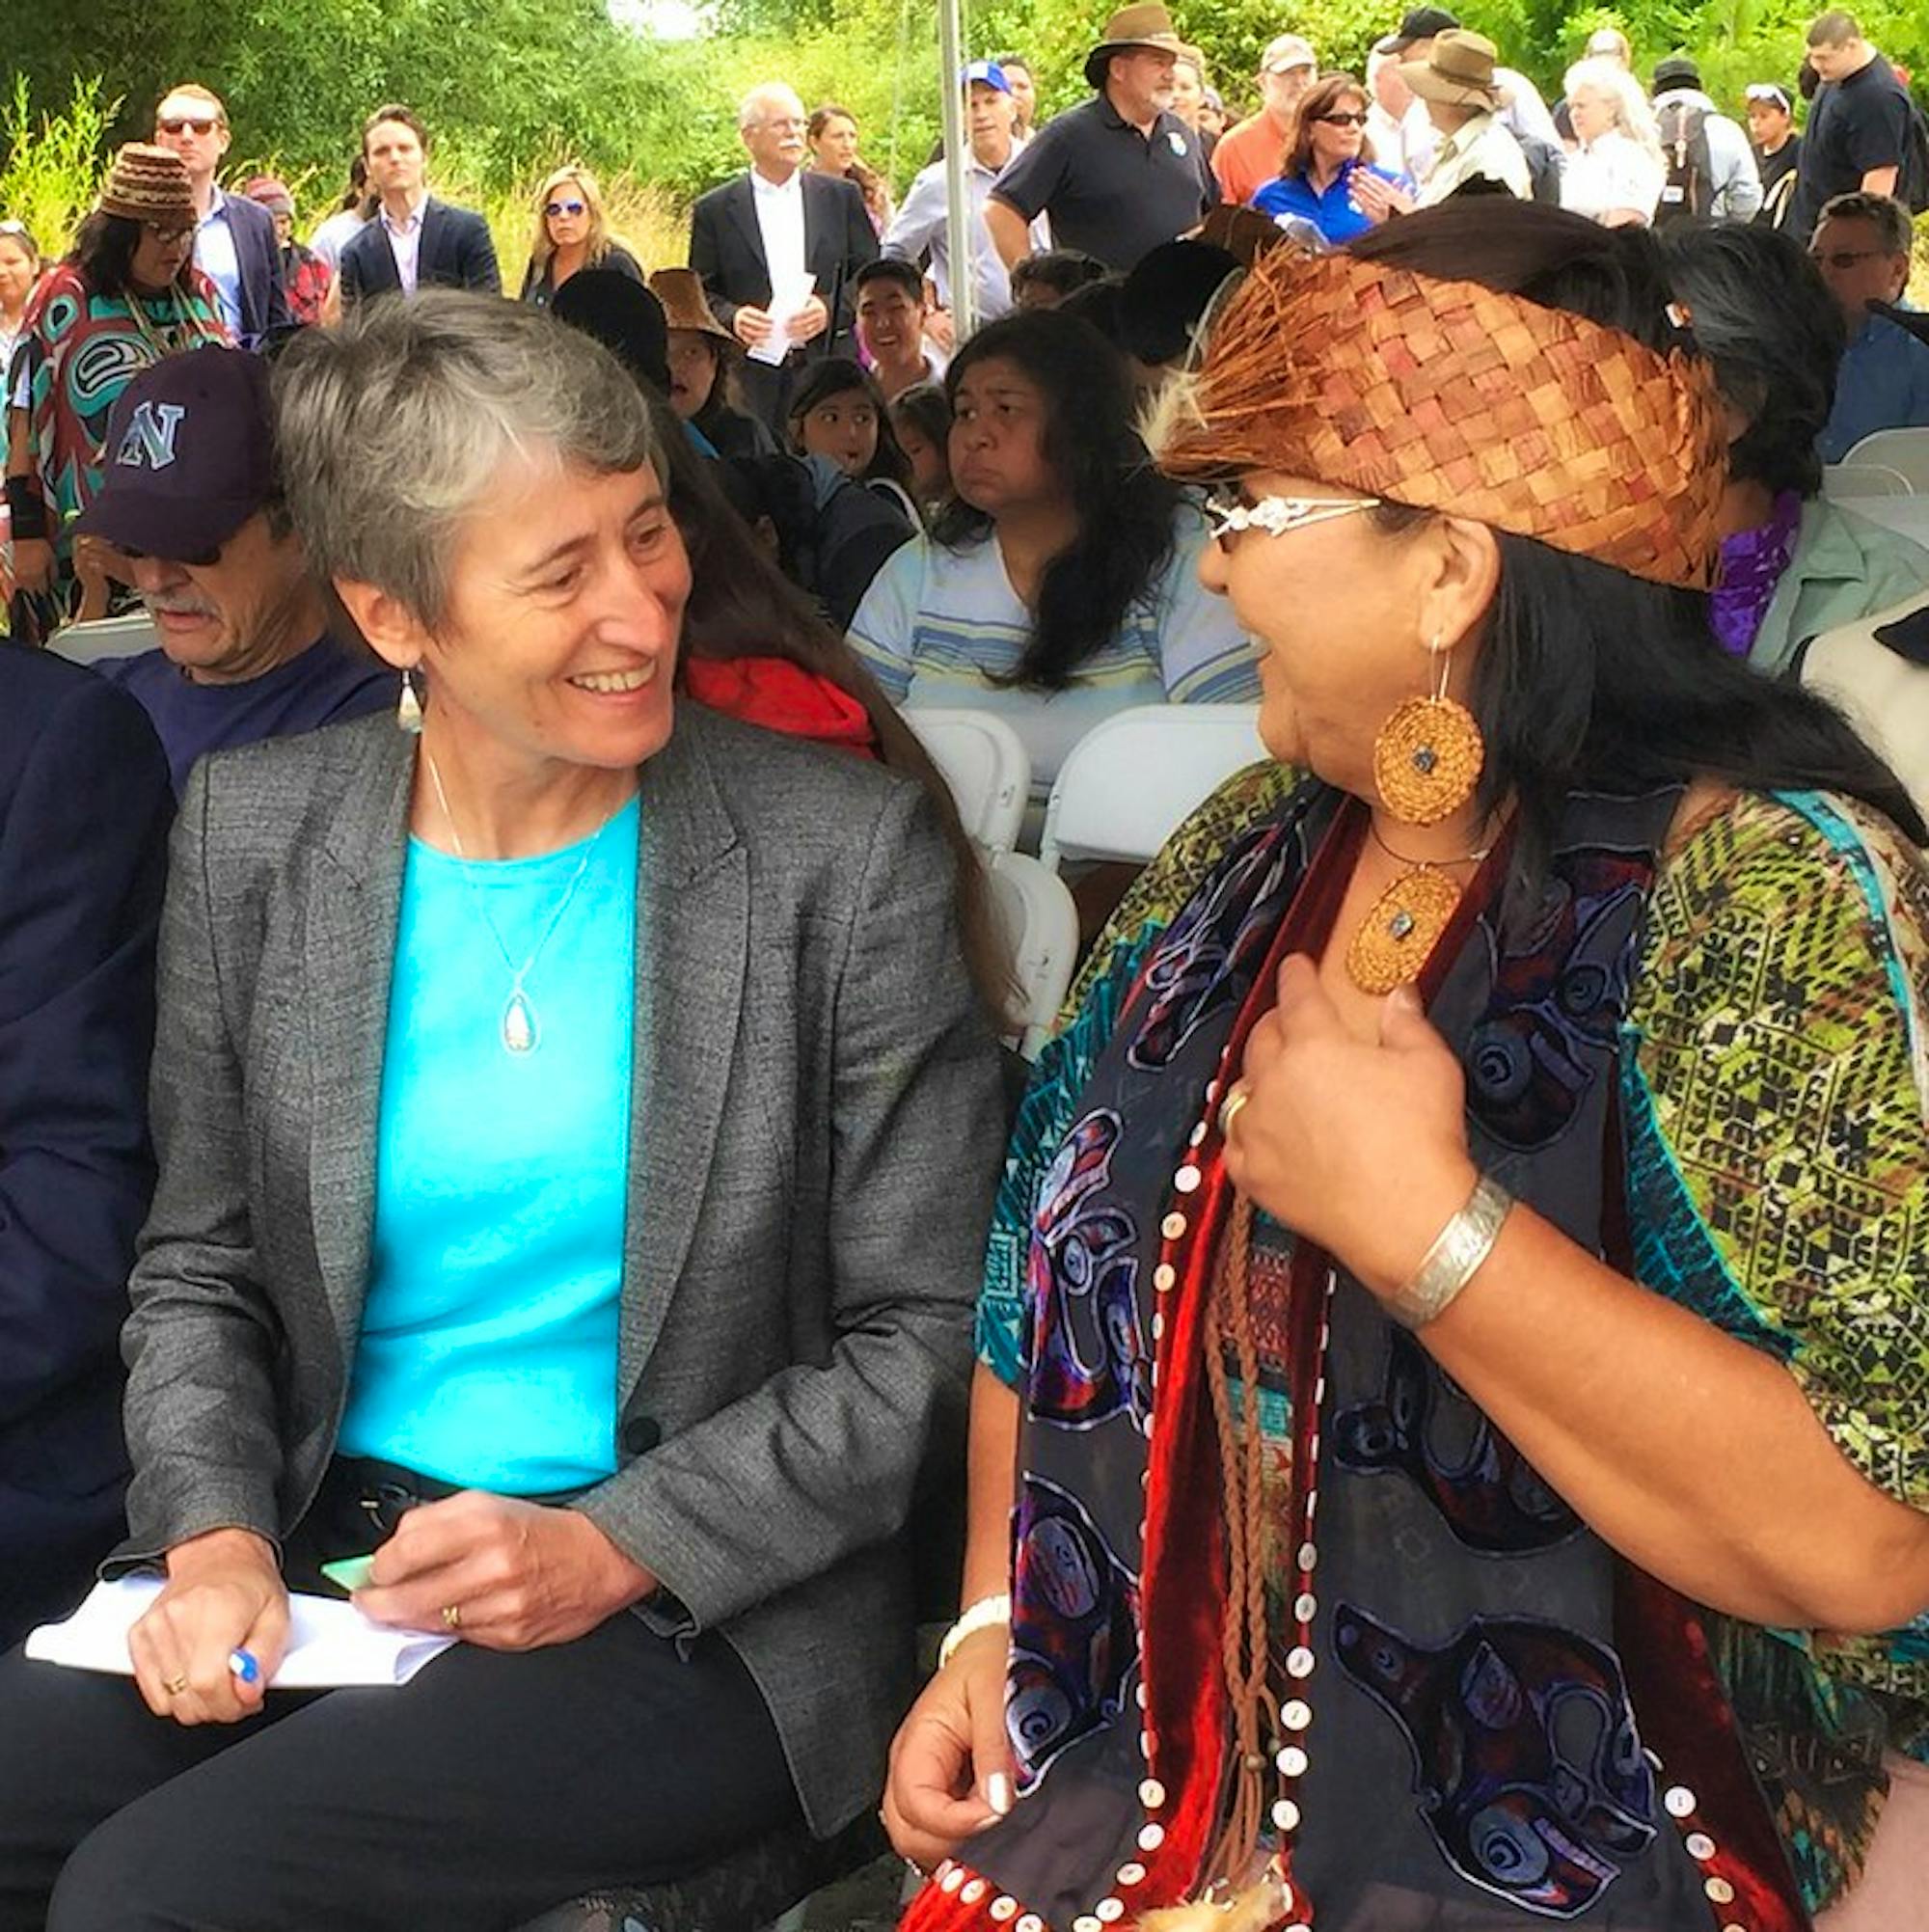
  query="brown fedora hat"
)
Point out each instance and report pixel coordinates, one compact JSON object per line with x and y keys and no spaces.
{"x":1144,"y":24}
{"x":680,"y":290}
{"x":1460,"y":71}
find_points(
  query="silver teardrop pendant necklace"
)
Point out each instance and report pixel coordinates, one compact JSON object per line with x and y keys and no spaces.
{"x":520,"y":1028}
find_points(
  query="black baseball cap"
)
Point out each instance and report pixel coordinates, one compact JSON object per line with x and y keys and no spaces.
{"x":190,"y":456}
{"x":1676,"y":71}
{"x":1423,"y":23}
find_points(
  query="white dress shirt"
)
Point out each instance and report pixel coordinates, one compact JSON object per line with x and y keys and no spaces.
{"x":215,"y":256}
{"x":405,"y":240}
{"x":780,"y":222}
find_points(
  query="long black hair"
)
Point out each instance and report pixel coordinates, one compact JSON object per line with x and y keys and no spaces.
{"x":1127,"y":510}
{"x":740,"y":605}
{"x":103,"y":250}
{"x":1759,"y":311}
{"x":1590,"y":679}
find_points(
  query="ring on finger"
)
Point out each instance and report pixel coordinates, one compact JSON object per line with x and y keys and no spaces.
{"x":1229,"y":1107}
{"x":175,"y":1686}
{"x":451,"y":1615}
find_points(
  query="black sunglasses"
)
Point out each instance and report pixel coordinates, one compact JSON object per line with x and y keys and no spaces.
{"x":1342,"y":119}
{"x":198,"y":123}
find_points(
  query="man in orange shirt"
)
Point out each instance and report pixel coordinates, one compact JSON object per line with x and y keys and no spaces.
{"x":1248,"y":155}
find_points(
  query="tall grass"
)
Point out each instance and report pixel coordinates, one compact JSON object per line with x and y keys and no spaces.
{"x":53,"y":168}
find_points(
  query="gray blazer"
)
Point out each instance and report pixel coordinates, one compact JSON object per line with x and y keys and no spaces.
{"x":816,"y":1132}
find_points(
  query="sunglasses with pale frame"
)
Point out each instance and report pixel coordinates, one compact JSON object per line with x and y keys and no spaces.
{"x":565,"y":209}
{"x":193,"y":123}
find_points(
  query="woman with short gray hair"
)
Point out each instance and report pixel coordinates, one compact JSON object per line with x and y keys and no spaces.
{"x":576,"y":1133}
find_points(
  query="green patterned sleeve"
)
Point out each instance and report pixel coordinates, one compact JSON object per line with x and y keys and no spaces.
{"x":1775,"y":1100}
{"x":1092,"y":1009}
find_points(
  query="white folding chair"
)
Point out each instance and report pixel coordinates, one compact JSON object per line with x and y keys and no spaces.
{"x":106,"y":638}
{"x":1127,"y":785}
{"x":1905,"y":452}
{"x":1844,"y":482}
{"x":1039,"y":923}
{"x":985,"y":763}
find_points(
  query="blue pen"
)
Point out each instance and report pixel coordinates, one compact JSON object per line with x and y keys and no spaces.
{"x":244,"y":1666}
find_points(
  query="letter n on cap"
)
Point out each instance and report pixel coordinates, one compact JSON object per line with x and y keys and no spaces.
{"x":150,"y":441}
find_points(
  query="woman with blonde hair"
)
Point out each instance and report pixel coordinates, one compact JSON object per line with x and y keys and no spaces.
{"x":1615,"y":174}
{"x":572,"y":233}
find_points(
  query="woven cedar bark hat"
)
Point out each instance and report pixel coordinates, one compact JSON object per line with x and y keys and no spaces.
{"x":149,"y":185}
{"x":1445,"y":395}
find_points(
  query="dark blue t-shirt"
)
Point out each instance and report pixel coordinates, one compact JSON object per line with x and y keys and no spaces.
{"x":323,"y":686}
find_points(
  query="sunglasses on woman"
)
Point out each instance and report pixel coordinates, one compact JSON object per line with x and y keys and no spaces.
{"x":1343,"y":119}
{"x":196,"y":123}
{"x":563,"y":208}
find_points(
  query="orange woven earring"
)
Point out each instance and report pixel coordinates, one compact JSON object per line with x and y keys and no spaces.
{"x":1428,"y":754}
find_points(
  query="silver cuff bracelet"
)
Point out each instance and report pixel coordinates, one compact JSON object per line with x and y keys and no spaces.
{"x":1454,"y":1257}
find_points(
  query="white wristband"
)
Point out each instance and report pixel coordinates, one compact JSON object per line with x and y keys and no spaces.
{"x":979,"y":1615}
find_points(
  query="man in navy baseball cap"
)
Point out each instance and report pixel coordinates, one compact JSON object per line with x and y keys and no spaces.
{"x":191,"y":499}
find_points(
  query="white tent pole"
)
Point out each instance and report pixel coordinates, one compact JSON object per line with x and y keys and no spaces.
{"x":958,"y":200}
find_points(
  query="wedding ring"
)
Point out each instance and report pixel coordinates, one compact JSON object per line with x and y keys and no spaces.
{"x":451,"y":1615}
{"x":175,"y":1686}
{"x":1229,"y":1107}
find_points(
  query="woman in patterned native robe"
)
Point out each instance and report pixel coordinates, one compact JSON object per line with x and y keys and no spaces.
{"x":1452,"y":1458}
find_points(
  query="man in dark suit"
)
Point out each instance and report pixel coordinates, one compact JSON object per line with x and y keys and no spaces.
{"x":234,"y":242}
{"x":415,"y":240}
{"x":85,"y":807}
{"x":766,"y":230}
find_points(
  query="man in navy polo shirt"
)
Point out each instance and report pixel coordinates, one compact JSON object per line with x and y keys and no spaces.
{"x":192,"y":502}
{"x":1119,"y":175}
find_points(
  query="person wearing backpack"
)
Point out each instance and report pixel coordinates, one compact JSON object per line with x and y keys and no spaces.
{"x":1864,"y":135}
{"x":1711,"y":168}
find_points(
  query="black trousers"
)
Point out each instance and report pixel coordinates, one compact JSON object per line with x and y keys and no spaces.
{"x":494,"y":1786}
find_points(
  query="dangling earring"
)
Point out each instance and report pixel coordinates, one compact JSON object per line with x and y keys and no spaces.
{"x":1428,"y":754}
{"x":1427,"y":761}
{"x":409,"y":710}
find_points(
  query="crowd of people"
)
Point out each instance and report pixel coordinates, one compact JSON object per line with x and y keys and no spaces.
{"x":501,"y":1016}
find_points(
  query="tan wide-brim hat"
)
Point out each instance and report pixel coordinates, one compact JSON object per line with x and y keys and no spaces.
{"x":680,"y":290}
{"x":1460,"y":71}
{"x":1145,"y":24}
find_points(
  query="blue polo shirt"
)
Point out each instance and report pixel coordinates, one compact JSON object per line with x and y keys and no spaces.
{"x":1332,"y":213}
{"x":1883,"y":384}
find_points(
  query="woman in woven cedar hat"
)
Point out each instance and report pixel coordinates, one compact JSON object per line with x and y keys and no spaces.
{"x":128,"y":294}
{"x":1450,"y":1439}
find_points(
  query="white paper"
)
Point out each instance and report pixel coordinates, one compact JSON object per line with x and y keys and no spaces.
{"x":331,"y":1643}
{"x":786,"y":299}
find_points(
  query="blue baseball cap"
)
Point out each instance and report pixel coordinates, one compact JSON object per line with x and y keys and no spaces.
{"x":987,"y":71}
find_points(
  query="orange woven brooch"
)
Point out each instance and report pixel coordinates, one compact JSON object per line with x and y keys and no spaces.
{"x":1448,"y":396}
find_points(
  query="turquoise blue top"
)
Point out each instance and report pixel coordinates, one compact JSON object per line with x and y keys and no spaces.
{"x":487,"y":1355}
